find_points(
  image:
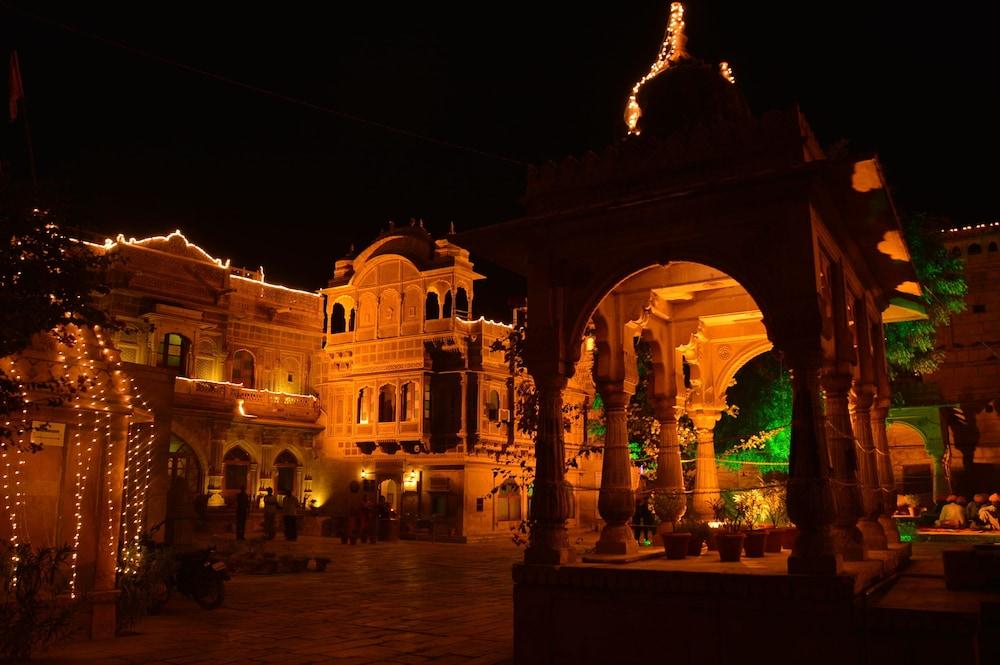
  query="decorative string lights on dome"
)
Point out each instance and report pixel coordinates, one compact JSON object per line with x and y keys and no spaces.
{"x":726,"y":71}
{"x":671,"y":50}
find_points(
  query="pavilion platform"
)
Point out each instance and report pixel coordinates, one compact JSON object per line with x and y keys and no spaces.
{"x":699,"y":610}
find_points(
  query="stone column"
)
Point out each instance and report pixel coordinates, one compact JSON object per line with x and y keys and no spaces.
{"x":887,"y":484}
{"x":111,"y":477}
{"x":847,"y":537}
{"x":616,"y":501}
{"x":810,"y":502}
{"x":669,"y":473}
{"x":871,"y":495}
{"x":706,"y":473}
{"x":552,"y":501}
{"x":215,"y":499}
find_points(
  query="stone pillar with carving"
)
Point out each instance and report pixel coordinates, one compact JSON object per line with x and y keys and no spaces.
{"x":552,"y":498}
{"x":847,"y":536}
{"x":616,"y":500}
{"x":706,"y":471}
{"x":810,"y":501}
{"x":219,"y":434}
{"x":871,"y":496}
{"x":669,"y":472}
{"x":880,"y":410}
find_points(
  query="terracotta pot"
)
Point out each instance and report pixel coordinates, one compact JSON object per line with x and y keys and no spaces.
{"x":730,"y":545}
{"x":676,"y":544}
{"x":775,"y":537}
{"x":789,"y":540}
{"x":754,"y":543}
{"x":695,"y":545}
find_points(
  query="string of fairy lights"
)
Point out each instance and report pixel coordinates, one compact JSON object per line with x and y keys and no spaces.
{"x":671,"y":51}
{"x":93,"y":403}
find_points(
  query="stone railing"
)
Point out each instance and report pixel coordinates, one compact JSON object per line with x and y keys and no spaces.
{"x":249,"y":402}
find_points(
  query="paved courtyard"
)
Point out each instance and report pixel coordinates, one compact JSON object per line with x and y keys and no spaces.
{"x":407,"y":602}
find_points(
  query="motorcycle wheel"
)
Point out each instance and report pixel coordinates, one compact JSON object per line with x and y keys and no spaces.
{"x":209,"y":592}
{"x":159,"y":596}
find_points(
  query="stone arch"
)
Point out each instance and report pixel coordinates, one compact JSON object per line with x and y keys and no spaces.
{"x":286,"y":471}
{"x":342,"y":315}
{"x":177,"y":445}
{"x":974,"y":248}
{"x":432,"y":305}
{"x":462,"y":307}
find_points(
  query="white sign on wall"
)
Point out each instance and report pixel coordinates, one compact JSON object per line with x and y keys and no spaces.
{"x":48,"y":434}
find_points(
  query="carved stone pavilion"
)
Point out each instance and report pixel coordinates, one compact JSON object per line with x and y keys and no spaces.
{"x":715,"y":235}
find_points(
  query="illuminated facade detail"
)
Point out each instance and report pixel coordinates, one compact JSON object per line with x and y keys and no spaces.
{"x":671,"y":50}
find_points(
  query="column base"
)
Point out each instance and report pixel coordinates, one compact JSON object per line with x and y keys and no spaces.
{"x":848,"y":542}
{"x":103,"y":614}
{"x":873,"y":534}
{"x":549,"y":546}
{"x":813,"y":554}
{"x":617,"y":539}
{"x":889,"y":528}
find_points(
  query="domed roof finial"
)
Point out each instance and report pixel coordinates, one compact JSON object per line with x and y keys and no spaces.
{"x":451,"y":228}
{"x":672,"y":51}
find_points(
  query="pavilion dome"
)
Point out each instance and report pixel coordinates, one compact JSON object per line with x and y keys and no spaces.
{"x":687,"y":94}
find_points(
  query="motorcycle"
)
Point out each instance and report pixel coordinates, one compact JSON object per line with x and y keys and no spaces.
{"x":199,"y":575}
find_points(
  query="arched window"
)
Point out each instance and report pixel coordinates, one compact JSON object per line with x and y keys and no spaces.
{"x":174,"y":353}
{"x":992,"y":246}
{"x":956,"y":251}
{"x":243,"y":368}
{"x":338,"y":319}
{"x":387,"y":404}
{"x":975,"y":248}
{"x":284,"y":472}
{"x":432,"y":309}
{"x":446,"y":308}
{"x":235,"y":466}
{"x":493,"y":407}
{"x":406,"y":395}
{"x":508,"y":502}
{"x":364,"y":397}
{"x":462,"y":303}
{"x":183,"y":463}
{"x":352,"y":319}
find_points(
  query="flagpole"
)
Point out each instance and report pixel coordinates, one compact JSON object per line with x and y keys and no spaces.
{"x":22,"y":101}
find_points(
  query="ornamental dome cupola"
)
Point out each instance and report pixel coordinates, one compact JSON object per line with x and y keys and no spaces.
{"x":681,"y":91}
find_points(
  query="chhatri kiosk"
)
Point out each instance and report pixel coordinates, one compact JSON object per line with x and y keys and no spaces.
{"x":715,"y":235}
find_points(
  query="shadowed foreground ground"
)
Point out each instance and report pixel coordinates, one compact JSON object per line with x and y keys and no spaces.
{"x":408,"y":602}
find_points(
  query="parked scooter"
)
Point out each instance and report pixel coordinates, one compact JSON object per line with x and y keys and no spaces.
{"x":199,"y":575}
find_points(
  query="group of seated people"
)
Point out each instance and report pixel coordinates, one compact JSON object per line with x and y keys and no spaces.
{"x":982,"y":513}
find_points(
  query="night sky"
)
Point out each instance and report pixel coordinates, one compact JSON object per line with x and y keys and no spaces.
{"x":127,"y":142}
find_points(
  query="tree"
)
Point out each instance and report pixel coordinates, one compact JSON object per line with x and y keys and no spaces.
{"x":910,"y":345}
{"x":758,"y":428}
{"x":47,"y":285}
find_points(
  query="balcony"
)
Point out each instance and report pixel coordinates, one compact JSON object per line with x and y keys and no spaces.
{"x":234,"y":398}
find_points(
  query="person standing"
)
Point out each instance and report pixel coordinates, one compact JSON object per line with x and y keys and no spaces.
{"x":242,"y":510}
{"x":290,"y":512}
{"x":270,"y":513}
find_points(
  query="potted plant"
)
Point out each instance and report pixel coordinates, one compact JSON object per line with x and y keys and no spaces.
{"x":671,"y":505}
{"x":776,"y":514}
{"x":729,"y":540}
{"x":752,"y":503}
{"x":700,"y":532}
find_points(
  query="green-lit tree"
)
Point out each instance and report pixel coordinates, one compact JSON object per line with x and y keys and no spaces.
{"x":910,"y":345}
{"x":758,"y":428}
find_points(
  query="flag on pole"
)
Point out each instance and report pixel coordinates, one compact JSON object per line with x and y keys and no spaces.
{"x":15,"y":87}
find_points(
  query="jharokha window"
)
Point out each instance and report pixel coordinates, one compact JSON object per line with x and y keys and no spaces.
{"x":386,"y":404}
{"x":406,"y":394}
{"x":508,"y":502}
{"x":493,"y":407}
{"x":174,"y":354}
{"x":243,"y":368}
{"x":364,"y":398}
{"x":236,"y":466}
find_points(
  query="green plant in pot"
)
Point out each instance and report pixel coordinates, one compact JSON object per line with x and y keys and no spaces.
{"x":776,"y":515}
{"x":670,"y":506}
{"x":729,"y":540}
{"x":700,"y":532}
{"x":752,"y":503}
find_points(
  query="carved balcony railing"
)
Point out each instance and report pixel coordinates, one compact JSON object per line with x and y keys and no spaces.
{"x":217,"y":395}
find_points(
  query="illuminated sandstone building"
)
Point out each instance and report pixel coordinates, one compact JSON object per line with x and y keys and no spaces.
{"x":383,"y":378}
